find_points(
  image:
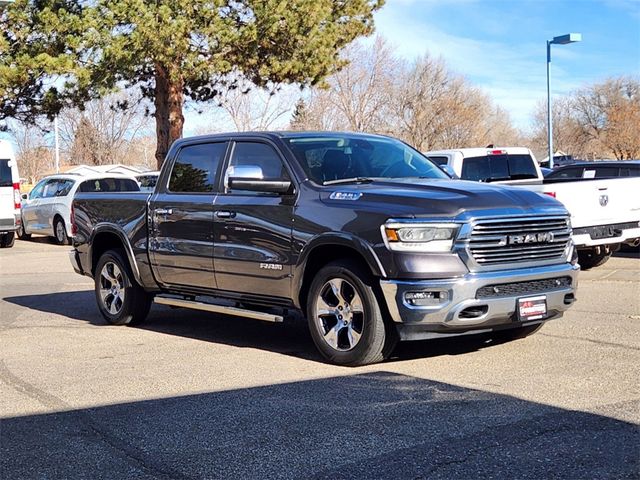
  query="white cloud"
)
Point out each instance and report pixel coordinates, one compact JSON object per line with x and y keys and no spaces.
{"x":513,"y":74}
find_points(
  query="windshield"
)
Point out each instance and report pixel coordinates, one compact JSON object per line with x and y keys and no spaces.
{"x":336,"y":157}
{"x":491,"y":168}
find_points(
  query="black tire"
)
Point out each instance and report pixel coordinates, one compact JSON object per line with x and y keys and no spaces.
{"x":22,"y":233}
{"x":60,"y":232}
{"x":134,"y":307}
{"x":7,"y":240}
{"x":591,"y":258}
{"x":518,"y":333}
{"x":361,"y":335}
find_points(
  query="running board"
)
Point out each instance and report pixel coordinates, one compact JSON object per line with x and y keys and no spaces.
{"x":210,"y":307}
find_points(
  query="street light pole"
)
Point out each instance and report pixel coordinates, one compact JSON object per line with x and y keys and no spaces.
{"x":561,"y":40}
{"x":549,"y":122}
{"x":57,"y":145}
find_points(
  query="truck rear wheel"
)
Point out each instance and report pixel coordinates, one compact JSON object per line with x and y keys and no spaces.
{"x":593,"y":257}
{"x":120,"y":299}
{"x":345,"y":319}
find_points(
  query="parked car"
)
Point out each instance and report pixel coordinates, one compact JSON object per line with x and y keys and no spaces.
{"x":604,"y":215}
{"x":361,"y":233}
{"x":147,"y":181}
{"x":9,"y":195}
{"x":46,"y":210}
{"x":510,"y":165}
{"x":598,"y":169}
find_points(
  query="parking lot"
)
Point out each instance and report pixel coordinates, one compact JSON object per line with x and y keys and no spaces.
{"x":196,"y":395}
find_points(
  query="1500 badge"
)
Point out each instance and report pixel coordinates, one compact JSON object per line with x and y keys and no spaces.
{"x":271,"y":266}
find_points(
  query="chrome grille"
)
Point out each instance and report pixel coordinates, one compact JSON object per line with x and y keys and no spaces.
{"x":519,"y":240}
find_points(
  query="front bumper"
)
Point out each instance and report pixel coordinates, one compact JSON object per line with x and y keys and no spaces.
{"x":463,"y":311}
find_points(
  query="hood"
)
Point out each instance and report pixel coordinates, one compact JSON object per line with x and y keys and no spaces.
{"x":442,"y":198}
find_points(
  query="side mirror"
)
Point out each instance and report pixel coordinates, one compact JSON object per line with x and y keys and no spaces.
{"x":251,"y":178}
{"x":24,"y":196}
{"x":449,"y":171}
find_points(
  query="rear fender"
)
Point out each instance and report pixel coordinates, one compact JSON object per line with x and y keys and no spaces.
{"x":110,"y":229}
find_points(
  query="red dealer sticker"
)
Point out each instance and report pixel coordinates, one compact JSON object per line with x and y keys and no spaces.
{"x":532,"y":308}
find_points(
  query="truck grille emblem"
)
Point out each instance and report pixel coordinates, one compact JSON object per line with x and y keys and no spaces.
{"x":543,"y":237}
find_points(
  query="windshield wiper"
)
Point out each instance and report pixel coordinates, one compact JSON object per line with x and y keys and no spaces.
{"x":349,"y":180}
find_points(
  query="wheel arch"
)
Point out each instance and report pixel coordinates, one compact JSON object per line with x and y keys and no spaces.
{"x":107,"y":237}
{"x":325,"y":249}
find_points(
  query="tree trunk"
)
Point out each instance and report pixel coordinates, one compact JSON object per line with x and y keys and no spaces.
{"x":169,"y":100}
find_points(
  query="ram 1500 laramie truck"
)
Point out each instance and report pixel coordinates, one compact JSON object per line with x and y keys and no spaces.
{"x":364,"y":235}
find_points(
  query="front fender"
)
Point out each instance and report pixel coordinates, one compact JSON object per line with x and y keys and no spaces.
{"x":336,"y":239}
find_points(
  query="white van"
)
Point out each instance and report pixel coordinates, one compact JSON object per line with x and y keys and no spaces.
{"x":9,"y":195}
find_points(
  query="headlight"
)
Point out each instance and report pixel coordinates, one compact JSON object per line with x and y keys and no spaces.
{"x":407,"y":237}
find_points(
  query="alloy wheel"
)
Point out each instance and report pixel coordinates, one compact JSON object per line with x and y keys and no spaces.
{"x":340,"y":314}
{"x":112,"y":289}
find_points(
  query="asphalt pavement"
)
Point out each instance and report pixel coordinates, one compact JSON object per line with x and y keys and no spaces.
{"x":194,"y":395}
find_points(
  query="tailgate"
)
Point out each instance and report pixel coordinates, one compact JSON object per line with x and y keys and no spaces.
{"x":599,"y":202}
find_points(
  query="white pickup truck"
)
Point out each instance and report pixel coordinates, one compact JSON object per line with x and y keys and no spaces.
{"x":605,"y":213}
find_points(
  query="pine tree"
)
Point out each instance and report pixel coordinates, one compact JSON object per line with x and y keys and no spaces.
{"x":175,"y":51}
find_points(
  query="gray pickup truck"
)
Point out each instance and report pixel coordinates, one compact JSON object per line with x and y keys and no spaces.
{"x":364,"y":235}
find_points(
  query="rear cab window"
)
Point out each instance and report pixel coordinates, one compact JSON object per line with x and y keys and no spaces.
{"x":575,"y":172}
{"x":493,"y":168}
{"x":109,"y":185}
{"x":607,"y":172}
{"x":438,"y":159}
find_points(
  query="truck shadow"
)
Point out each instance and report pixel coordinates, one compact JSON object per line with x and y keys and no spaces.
{"x":628,"y":252}
{"x":288,"y":338}
{"x":376,"y":425}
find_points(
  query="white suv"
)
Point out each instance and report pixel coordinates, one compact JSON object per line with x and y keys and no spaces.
{"x":47,"y":208}
{"x":9,"y":195}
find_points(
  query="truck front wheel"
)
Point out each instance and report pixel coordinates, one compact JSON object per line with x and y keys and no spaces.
{"x":345,"y":319}
{"x":120,"y":299}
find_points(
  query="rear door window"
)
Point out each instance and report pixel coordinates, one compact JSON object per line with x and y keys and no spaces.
{"x":5,"y":174}
{"x":492,"y":168}
{"x":64,"y":187}
{"x":196,"y":168}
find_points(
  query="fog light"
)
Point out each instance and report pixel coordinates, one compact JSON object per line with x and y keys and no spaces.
{"x":426,"y":298}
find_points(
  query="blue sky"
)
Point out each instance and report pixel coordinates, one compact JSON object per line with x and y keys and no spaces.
{"x":500,"y":45}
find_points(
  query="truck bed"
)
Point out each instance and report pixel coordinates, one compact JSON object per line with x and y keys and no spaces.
{"x":124,"y":212}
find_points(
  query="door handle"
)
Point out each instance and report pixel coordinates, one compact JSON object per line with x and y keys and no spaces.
{"x":225,"y":214}
{"x":164,"y":211}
